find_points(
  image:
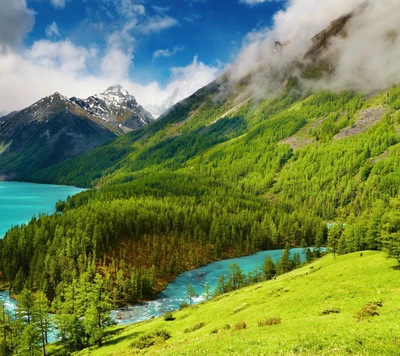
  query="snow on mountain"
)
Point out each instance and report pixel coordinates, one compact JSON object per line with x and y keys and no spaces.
{"x":116,"y":106}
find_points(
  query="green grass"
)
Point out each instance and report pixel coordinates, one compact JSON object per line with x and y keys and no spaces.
{"x":345,"y":284}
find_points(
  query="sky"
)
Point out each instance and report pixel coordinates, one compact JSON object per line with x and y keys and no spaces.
{"x":160,"y":51}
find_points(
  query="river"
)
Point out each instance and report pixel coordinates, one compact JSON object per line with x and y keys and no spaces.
{"x":19,"y":202}
{"x":175,"y":293}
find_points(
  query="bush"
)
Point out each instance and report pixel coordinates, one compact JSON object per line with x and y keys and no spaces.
{"x":183,"y":305}
{"x":168,"y":316}
{"x":227,"y":327}
{"x":270,"y":321}
{"x":369,"y":310}
{"x":151,"y":339}
{"x":241,"y":325}
{"x":214,"y":331}
{"x":330,"y":310}
{"x":195,"y":327}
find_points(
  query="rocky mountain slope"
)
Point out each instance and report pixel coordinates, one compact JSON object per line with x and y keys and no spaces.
{"x":117,"y":106}
{"x":57,"y":128}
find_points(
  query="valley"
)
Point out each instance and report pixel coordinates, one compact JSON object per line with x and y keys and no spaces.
{"x":294,"y":144}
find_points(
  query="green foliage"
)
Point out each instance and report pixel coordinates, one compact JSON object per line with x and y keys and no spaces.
{"x":270,"y":321}
{"x":369,"y":310}
{"x":330,"y":310}
{"x":151,"y":339}
{"x":206,"y":182}
{"x":241,"y":325}
{"x":168,"y":316}
{"x":190,"y":293}
{"x":195,"y":327}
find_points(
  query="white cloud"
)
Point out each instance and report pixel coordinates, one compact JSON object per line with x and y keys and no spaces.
{"x":15,"y":21}
{"x":128,"y":8}
{"x":116,"y":64}
{"x":61,"y":66}
{"x":167,"y":52}
{"x":58,"y":4}
{"x":184,"y":82}
{"x":52,"y":30}
{"x":156,"y":24}
{"x":52,"y":64}
{"x":366,"y":59}
{"x":62,"y":55}
{"x":160,"y":9}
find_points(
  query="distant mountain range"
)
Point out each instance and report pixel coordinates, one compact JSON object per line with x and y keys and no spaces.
{"x":56,"y":128}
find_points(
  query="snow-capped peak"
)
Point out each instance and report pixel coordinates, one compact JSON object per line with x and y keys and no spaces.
{"x":116,"y":106}
{"x":117,"y":89}
{"x":116,"y":96}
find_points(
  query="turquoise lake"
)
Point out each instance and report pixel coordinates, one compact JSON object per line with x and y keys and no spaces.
{"x":20,"y":202}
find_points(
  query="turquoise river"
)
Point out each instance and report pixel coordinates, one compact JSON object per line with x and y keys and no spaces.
{"x":19,"y":202}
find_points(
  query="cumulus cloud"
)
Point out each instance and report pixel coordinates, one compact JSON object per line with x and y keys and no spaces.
{"x":62,"y":55}
{"x":365,"y":59}
{"x":64,"y":66}
{"x":184,"y":81}
{"x":52,"y":64}
{"x":16,"y":19}
{"x":167,"y":52}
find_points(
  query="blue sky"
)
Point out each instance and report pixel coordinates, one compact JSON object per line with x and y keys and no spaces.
{"x":213,"y":30}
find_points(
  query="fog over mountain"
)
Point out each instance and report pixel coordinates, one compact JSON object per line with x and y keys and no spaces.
{"x":364,"y":57}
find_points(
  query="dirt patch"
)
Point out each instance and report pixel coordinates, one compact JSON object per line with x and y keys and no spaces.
{"x":368,"y":118}
{"x":297,"y":142}
{"x":381,"y":157}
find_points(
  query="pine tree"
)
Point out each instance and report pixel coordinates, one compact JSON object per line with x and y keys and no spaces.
{"x":190,"y":293}
{"x":207,"y":291}
{"x":268,"y":268}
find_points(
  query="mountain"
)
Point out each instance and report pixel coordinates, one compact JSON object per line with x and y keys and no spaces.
{"x":57,"y":128}
{"x":7,"y":117}
{"x":48,"y":132}
{"x":229,"y":171}
{"x":116,"y":106}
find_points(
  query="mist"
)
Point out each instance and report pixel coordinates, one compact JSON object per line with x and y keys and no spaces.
{"x":365,"y":59}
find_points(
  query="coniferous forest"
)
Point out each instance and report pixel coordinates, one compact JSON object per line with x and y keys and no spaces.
{"x":181,"y":193}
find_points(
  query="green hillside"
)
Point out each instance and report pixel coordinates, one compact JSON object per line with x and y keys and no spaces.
{"x":220,"y":175}
{"x":342,"y":306}
{"x":200,"y":185}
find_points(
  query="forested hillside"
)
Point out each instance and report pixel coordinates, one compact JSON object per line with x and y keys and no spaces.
{"x":200,"y":185}
{"x":243,"y":165}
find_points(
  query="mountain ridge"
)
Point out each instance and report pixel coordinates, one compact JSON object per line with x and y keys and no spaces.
{"x":56,"y":128}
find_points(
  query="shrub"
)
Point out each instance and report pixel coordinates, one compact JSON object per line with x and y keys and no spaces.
{"x":330,"y":310}
{"x":168,"y":316}
{"x":151,"y":339}
{"x":241,"y":325}
{"x":227,"y":327}
{"x":183,"y":305}
{"x":368,"y":310}
{"x":195,"y":327}
{"x":270,"y":321}
{"x":214,"y":331}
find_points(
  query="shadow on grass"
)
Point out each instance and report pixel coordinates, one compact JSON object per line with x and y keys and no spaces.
{"x":116,"y":340}
{"x":397,"y":267}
